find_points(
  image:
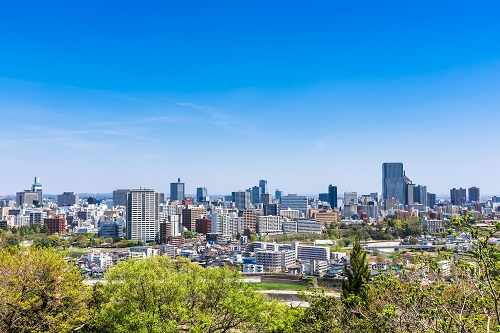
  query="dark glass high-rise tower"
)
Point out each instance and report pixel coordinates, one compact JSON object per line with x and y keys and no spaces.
{"x":458,"y":196}
{"x":177,"y":191}
{"x":474,"y":194}
{"x":332,"y":196}
{"x":393,"y":182}
{"x":201,"y":194}
{"x":263,"y":186}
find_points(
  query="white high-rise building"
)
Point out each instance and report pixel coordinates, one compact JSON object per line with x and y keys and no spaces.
{"x":143,"y":215}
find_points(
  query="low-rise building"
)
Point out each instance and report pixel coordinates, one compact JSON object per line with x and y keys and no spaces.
{"x":309,"y":226}
{"x":253,"y":268}
{"x":142,"y":252}
{"x":275,"y":260}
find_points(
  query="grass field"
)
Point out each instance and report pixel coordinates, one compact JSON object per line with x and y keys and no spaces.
{"x":278,"y":286}
{"x":75,"y":251}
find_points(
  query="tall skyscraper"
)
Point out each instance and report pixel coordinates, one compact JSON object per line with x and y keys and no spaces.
{"x":458,"y":196}
{"x":393,"y":182}
{"x":278,"y":194}
{"x":431,"y":200}
{"x":410,"y":194}
{"x":332,"y":196}
{"x":143,"y":215}
{"x":177,"y":191}
{"x":242,"y":200}
{"x":420,"y":194}
{"x":263,"y":186}
{"x":474,"y":194}
{"x":256,"y":193}
{"x":37,"y":188}
{"x":120,"y":197}
{"x":201,"y":194}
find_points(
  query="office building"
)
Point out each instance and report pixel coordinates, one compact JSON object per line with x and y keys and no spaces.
{"x":255,"y":195}
{"x":26,"y":198}
{"x":308,"y":226}
{"x":278,"y":194}
{"x":271,"y":209}
{"x":37,"y":188}
{"x":410,"y":194}
{"x":431,"y":200}
{"x":263,"y":186}
{"x":201,"y":194}
{"x":68,"y":199}
{"x":332,"y":196}
{"x":393,"y":182}
{"x":177,"y":191}
{"x":162,"y":198}
{"x":420,"y":195}
{"x":120,"y":197}
{"x":294,"y":202}
{"x":323,"y":197}
{"x":474,"y":194}
{"x":266,"y":198}
{"x":350,"y":198}
{"x":242,"y":200}
{"x":458,"y":196}
{"x":109,"y":229}
{"x":143,"y":215}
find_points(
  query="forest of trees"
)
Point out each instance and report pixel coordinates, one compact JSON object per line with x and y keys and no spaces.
{"x":41,"y":292}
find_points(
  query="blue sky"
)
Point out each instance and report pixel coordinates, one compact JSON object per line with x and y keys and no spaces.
{"x":96,"y":96}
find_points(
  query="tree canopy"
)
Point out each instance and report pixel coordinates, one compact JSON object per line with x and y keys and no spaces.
{"x":160,"y":295}
{"x":40,"y":292}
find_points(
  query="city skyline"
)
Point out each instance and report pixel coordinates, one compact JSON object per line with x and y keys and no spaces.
{"x":205,"y":190}
{"x":99,"y":97}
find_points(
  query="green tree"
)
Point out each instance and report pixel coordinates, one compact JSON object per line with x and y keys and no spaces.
{"x":44,"y":229}
{"x":160,"y":295}
{"x":322,"y":316}
{"x":358,"y":276}
{"x":12,"y":241}
{"x":40,"y":292}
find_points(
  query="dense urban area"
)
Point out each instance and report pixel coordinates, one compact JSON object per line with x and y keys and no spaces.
{"x":139,"y":260}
